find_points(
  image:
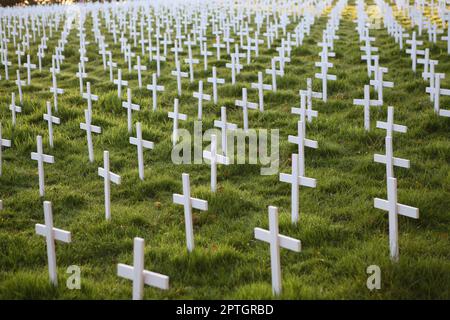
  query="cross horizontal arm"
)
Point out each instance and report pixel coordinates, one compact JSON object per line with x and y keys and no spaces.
{"x":59,"y":234}
{"x":285,"y":242}
{"x":112,"y":176}
{"x":402,"y":209}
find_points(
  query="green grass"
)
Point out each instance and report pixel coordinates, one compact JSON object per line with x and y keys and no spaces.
{"x":341,"y":232}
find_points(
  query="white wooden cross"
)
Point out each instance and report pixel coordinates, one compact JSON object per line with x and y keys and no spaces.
{"x":302,"y":142}
{"x":81,"y":75}
{"x":140,"y":144}
{"x":274,"y":72}
{"x":175,"y":115}
{"x":394,"y":209}
{"x":54,"y":89}
{"x":130,"y":107}
{"x":366,"y":103}
{"x":219,"y":45}
{"x":51,"y":234}
{"x":215,"y":81}
{"x":430,"y":76}
{"x":276,"y":241}
{"x":108,"y":177}
{"x":29,"y":66}
{"x":111,"y":65}
{"x":3,"y":143}
{"x":139,"y":275}
{"x":120,"y":83}
{"x":309,"y":93}
{"x":139,"y":69}
{"x":19,"y":84}
{"x":389,"y":160}
{"x":436,"y":91}
{"x":14,"y":109}
{"x":447,"y":37}
{"x":89,"y":96}
{"x":260,"y":86}
{"x":225,"y":127}
{"x":179,"y":74}
{"x":425,"y":61}
{"x":41,"y":158}
{"x":234,"y":67}
{"x":19,"y":53}
{"x":201,"y":96}
{"x":50,"y":120}
{"x":89,"y":128}
{"x":413,"y":51}
{"x":325,"y":77}
{"x":296,"y":180}
{"x":191,"y":61}
{"x":302,"y":111}
{"x":154,"y":88}
{"x":214,"y":159}
{"x":158,"y":57}
{"x":205,"y":53}
{"x":389,"y":125}
{"x":379,"y":84}
{"x":189,"y":203}
{"x":245,"y":105}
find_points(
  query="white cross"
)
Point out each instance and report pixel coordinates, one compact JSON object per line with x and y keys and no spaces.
{"x":81,"y":75}
{"x":390,"y":160}
{"x":302,"y":142}
{"x":191,"y":63}
{"x":189,"y":203}
{"x":3,"y":143}
{"x":234,"y":67}
{"x":50,"y":120}
{"x":394,"y":209}
{"x":154,"y":88}
{"x":139,"y":68}
{"x":260,"y":86}
{"x":436,"y":91}
{"x":120,"y":83}
{"x":447,"y":37}
{"x":139,"y":275}
{"x":140,"y":144}
{"x":425,"y":61}
{"x":379,"y":84}
{"x":214,"y":159}
{"x":245,"y":105}
{"x":366,"y":103}
{"x":179,"y":74}
{"x":224,"y":126}
{"x":274,"y":72}
{"x":14,"y":108}
{"x":389,"y":125}
{"x":158,"y":57}
{"x":214,"y":80}
{"x":111,"y":65}
{"x":201,"y":96}
{"x":302,"y":110}
{"x":176,"y":116}
{"x":276,"y":241}
{"x":41,"y":158}
{"x":19,"y":53}
{"x":413,"y":51}
{"x":108,"y":177}
{"x":19,"y":84}
{"x":89,"y":128}
{"x":29,"y":66}
{"x":51,"y":234}
{"x":89,"y":96}
{"x":309,"y":94}
{"x":130,"y":107}
{"x":218,"y":45}
{"x":430,"y":75}
{"x":54,"y":89}
{"x":205,"y":54}
{"x":296,"y":180}
{"x":324,"y":76}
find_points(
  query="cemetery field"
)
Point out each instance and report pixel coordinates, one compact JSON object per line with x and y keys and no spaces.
{"x":341,"y":232}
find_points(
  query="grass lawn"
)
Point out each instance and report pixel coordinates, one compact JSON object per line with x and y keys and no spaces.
{"x":341,"y":232}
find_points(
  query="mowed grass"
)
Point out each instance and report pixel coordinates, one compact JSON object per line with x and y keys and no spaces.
{"x":341,"y":233}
